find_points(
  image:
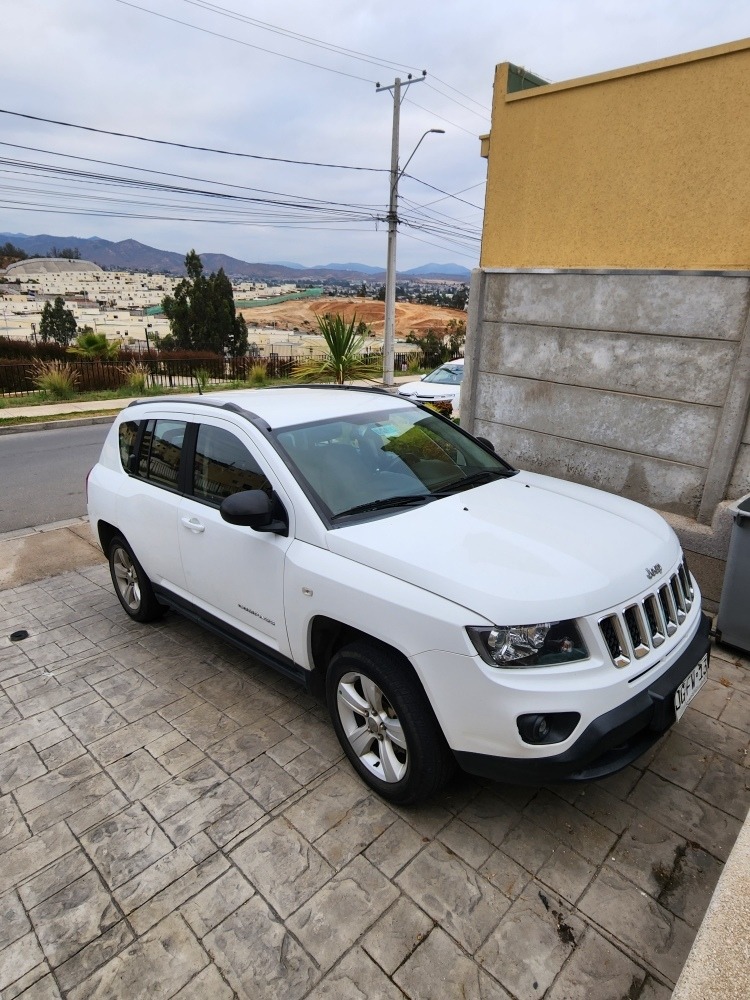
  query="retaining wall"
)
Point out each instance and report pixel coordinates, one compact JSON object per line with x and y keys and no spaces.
{"x":636,"y":382}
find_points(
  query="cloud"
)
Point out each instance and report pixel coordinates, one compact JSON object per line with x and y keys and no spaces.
{"x":131,"y":67}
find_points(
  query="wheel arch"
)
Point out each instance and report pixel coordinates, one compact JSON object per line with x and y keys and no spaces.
{"x":328,"y":636}
{"x":106,"y":532}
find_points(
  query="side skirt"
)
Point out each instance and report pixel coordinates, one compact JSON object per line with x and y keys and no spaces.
{"x":282,"y":664}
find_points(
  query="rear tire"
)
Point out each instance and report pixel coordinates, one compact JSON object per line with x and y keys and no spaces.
{"x":386,"y":725}
{"x":132,"y":586}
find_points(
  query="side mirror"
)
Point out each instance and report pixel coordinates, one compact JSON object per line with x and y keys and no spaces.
{"x":487,"y":444}
{"x":252,"y":509}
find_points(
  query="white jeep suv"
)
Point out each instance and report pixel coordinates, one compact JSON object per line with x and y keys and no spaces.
{"x":450,"y":607}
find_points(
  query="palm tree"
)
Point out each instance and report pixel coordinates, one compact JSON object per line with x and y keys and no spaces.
{"x":344,"y":361}
{"x":94,"y":346}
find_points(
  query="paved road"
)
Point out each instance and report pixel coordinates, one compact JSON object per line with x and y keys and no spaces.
{"x":43,"y":474}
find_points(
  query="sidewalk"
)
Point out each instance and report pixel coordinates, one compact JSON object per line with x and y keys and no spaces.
{"x":77,"y":411}
{"x":178,"y":821}
{"x":65,"y":406}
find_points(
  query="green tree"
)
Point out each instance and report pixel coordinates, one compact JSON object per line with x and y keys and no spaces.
{"x":202,"y":314}
{"x":344,"y":361}
{"x":93,"y":345}
{"x":13,"y":252}
{"x":57,"y":323}
{"x":432,"y":347}
{"x":67,"y":253}
{"x":460,"y":297}
{"x":456,"y":336}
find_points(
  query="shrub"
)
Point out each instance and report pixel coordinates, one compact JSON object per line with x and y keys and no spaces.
{"x":257,"y":374}
{"x":414,"y":366}
{"x":136,"y":375}
{"x":443,"y":406}
{"x":55,"y":379}
{"x":202,"y":376}
{"x":25,"y":350}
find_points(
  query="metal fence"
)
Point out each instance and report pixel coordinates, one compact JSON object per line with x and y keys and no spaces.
{"x":19,"y":378}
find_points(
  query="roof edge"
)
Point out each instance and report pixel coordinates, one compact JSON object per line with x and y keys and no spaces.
{"x":714,"y":52}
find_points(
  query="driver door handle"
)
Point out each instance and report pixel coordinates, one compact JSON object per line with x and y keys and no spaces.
{"x":194,"y":524}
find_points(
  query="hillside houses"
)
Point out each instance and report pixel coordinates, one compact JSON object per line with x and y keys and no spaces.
{"x":120,"y":304}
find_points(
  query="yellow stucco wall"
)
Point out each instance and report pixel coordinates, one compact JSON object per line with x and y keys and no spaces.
{"x":647,"y":167}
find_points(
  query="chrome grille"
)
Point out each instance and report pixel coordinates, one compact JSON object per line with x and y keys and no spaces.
{"x":636,"y":629}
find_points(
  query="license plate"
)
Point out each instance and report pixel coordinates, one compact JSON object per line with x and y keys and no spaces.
{"x":690,"y":687}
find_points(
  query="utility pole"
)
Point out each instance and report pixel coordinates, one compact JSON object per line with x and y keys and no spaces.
{"x":389,"y":333}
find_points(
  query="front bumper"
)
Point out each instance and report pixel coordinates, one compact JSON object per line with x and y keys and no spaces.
{"x":610,"y":742}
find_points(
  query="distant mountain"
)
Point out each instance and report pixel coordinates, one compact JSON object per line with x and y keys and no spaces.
{"x":130,"y":255}
{"x":359,"y":268}
{"x":431,"y":270}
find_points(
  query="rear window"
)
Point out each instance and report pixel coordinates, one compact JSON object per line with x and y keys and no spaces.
{"x":160,"y":451}
{"x":128,"y":438}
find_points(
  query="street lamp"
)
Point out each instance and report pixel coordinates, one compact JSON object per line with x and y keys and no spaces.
{"x":389,"y":332}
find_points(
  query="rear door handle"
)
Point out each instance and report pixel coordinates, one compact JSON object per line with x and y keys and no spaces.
{"x":194,"y":524}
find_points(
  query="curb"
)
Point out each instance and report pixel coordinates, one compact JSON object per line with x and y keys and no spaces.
{"x":48,"y":425}
{"x":41,"y":529}
{"x":718,"y":965}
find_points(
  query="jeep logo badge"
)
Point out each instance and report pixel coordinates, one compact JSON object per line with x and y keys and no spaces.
{"x":654,"y":571}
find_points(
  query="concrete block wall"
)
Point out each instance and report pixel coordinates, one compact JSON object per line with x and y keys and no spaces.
{"x":636,"y":382}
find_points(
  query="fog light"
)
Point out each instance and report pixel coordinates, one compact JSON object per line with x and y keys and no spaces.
{"x":551,"y":728}
{"x":533,"y":728}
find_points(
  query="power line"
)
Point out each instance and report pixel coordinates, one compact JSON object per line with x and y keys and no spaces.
{"x":462,"y":191}
{"x":305,"y":39}
{"x":184,"y":145}
{"x":147,"y":170}
{"x":463,"y":224}
{"x":446,"y":193}
{"x":479,"y":114}
{"x":465,"y":96}
{"x":238,"y":41}
{"x":441,"y":246}
{"x":441,"y":117}
{"x":88,"y":176}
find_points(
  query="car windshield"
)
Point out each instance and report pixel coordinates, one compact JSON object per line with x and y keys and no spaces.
{"x":446,"y":375}
{"x":386,"y":461}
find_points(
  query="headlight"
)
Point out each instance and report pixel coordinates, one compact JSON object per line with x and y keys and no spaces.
{"x":541,"y":645}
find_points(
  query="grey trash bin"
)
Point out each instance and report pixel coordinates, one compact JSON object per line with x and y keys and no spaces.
{"x":733,"y":624}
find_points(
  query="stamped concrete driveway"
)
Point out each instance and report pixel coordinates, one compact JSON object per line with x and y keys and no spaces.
{"x":177,"y":821}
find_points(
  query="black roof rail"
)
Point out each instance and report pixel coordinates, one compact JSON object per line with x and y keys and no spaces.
{"x":262,"y":425}
{"x":216,"y":404}
{"x":334,"y":385}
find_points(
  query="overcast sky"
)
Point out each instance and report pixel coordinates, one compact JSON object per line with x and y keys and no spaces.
{"x":239,"y":76}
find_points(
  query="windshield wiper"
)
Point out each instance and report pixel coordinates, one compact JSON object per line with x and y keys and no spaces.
{"x":476,"y":479}
{"x":407,"y":500}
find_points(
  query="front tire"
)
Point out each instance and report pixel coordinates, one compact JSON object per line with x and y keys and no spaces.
{"x":386,"y":725}
{"x":132,"y":586}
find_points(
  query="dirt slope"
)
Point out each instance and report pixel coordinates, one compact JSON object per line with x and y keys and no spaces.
{"x":302,"y":314}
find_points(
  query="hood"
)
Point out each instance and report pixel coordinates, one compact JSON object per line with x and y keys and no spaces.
{"x":429,"y":390}
{"x":519,"y":550}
